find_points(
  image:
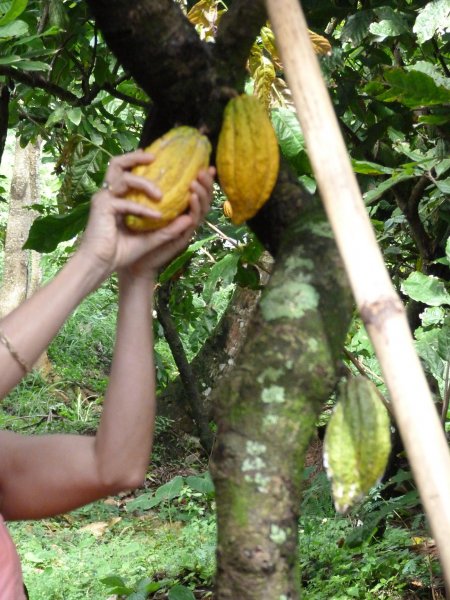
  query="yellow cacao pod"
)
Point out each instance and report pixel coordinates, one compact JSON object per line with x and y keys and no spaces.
{"x":247,"y":157}
{"x":179,"y":155}
{"x":227,"y":209}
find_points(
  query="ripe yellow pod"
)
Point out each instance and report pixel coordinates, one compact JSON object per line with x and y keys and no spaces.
{"x":179,"y":155}
{"x":227,"y":209}
{"x":247,"y":157}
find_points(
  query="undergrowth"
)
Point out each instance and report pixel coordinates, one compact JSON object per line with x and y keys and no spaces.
{"x":160,"y":541}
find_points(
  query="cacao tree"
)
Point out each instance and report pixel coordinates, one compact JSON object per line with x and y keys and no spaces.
{"x":187,"y":65}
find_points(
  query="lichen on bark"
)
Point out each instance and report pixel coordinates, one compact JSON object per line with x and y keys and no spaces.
{"x":266,"y":412}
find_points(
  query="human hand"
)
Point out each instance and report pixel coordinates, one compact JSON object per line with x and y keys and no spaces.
{"x":111,"y":246}
{"x":173,"y":239}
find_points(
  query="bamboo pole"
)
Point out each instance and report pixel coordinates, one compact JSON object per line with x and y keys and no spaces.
{"x":380,"y":307}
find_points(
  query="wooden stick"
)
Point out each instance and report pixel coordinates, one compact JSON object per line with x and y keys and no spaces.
{"x":380,"y":307}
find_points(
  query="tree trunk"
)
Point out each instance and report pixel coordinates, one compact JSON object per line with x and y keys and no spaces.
{"x":21,"y":270}
{"x":266,"y":412}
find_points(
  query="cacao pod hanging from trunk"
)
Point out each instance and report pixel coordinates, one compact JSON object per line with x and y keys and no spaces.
{"x":247,"y":157}
{"x":357,"y":442}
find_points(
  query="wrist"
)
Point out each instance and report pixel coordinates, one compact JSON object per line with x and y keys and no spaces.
{"x":85,"y":272}
{"x":127,"y":278}
{"x":93,"y":269}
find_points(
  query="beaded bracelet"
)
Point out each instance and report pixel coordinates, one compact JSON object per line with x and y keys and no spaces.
{"x":5,"y":341}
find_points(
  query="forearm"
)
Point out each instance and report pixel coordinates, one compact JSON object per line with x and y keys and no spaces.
{"x":32,"y":325}
{"x":42,"y":476}
{"x":125,"y":434}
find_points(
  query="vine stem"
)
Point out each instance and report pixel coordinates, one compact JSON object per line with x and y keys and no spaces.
{"x":379,"y":305}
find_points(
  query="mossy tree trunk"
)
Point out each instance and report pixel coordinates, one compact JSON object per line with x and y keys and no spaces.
{"x":267,"y":407}
{"x":267,"y":411}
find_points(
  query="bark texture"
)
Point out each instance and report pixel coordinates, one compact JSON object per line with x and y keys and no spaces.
{"x":17,"y":262}
{"x":266,"y":412}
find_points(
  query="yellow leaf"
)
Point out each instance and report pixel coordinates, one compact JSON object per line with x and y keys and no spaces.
{"x":205,"y":15}
{"x":320,"y":44}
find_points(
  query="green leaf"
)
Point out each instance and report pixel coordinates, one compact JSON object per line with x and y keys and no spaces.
{"x":288,"y":131}
{"x":447,"y":249}
{"x":441,"y":119}
{"x":47,"y":232}
{"x":75,"y":115}
{"x":203,"y":484}
{"x":443,"y":185}
{"x":426,"y":288}
{"x":33,"y":65}
{"x":143,"y":502}
{"x":12,"y":59}
{"x":15,"y":9}
{"x":432,"y":315}
{"x":224,"y":270}
{"x":248,"y":276}
{"x":391,"y":23}
{"x":444,"y":343}
{"x":426,"y":344}
{"x":357,"y":27}
{"x":378,"y":191}
{"x":181,"y":260}
{"x":14,"y":29}
{"x":413,"y":89}
{"x":433,"y":18}
{"x":433,"y":71}
{"x":364,"y":167}
{"x":116,"y":585}
{"x":138,"y":596}
{"x":180,"y":592}
{"x":171,"y":489}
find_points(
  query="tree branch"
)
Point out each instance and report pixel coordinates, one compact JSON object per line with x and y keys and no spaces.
{"x":186,"y":373}
{"x":155,"y":42}
{"x":35,"y":80}
{"x":410,"y":208}
{"x":237,"y":31}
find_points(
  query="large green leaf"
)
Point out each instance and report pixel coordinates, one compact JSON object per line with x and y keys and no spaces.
{"x":433,"y":18}
{"x":203,"y":484}
{"x":13,"y":29}
{"x":357,"y":26}
{"x":378,"y":191}
{"x":433,"y":71}
{"x":224,"y":270}
{"x":426,"y":288}
{"x":9,"y":11}
{"x":178,"y":263}
{"x":365,"y":167}
{"x":391,"y":23}
{"x":49,"y":231}
{"x":289,"y":133}
{"x":413,"y":89}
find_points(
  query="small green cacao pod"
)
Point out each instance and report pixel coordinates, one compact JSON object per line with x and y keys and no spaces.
{"x":357,"y":442}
